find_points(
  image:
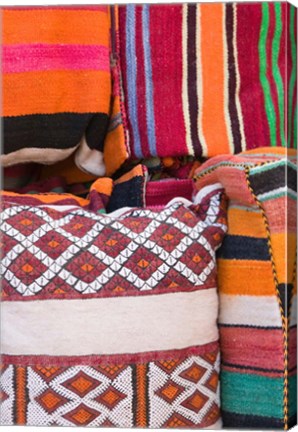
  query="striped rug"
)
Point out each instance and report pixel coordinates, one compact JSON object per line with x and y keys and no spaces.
{"x":208,"y":79}
{"x":56,"y":84}
{"x":256,"y":278}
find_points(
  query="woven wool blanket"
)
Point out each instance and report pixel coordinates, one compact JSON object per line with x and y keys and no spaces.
{"x":257,"y":286}
{"x":208,"y":79}
{"x":56,"y":85}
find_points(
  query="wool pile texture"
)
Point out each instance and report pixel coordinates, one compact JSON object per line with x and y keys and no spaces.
{"x":208,"y":79}
{"x":134,"y":339}
{"x":56,"y":85}
{"x":257,"y":287}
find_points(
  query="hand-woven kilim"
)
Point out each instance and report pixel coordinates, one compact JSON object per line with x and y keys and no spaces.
{"x":129,"y":307}
{"x":56,"y":84}
{"x":208,"y":79}
{"x":256,"y":279}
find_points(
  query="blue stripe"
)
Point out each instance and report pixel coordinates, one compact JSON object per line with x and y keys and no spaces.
{"x":131,"y":63}
{"x":149,"y":82}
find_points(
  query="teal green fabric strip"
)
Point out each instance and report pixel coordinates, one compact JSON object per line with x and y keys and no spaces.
{"x":272,"y":165}
{"x":252,"y":394}
{"x":292,"y":395}
{"x":269,"y":106}
{"x":269,"y":166}
{"x":275,"y":195}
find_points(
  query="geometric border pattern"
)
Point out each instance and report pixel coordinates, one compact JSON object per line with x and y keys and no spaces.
{"x":168,"y":393}
{"x":52,"y":253}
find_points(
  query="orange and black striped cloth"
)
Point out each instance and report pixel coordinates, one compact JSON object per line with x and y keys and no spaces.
{"x":56,"y":84}
{"x":63,"y":70}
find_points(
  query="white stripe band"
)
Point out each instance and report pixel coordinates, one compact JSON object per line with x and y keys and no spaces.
{"x":109,"y":325}
{"x":260,"y":311}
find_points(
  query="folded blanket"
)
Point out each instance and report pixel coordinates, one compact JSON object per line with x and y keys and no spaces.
{"x":257,"y":285}
{"x":208,"y":79}
{"x":56,"y":85}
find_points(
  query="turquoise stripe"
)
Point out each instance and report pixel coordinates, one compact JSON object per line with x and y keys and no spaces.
{"x":272,"y":165}
{"x":269,"y":107}
{"x":292,"y":395}
{"x":149,"y":81}
{"x":268,"y":167}
{"x":131,"y":65}
{"x":273,"y":195}
{"x":252,"y":394}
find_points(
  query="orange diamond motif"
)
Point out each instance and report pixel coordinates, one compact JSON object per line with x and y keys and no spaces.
{"x":143,"y":263}
{"x":82,"y":415}
{"x":50,"y":400}
{"x":210,"y":357}
{"x":216,"y":236}
{"x":170,"y":391}
{"x":196,"y":259}
{"x":27,"y":268}
{"x":118,"y":289}
{"x":53,"y":244}
{"x":87,"y":267}
{"x":47,"y":372}
{"x":194,"y":373}
{"x":78,"y":226}
{"x":168,"y":365}
{"x":168,"y":237}
{"x":81,"y":384}
{"x":111,"y":397}
{"x":212,"y":382}
{"x":188,"y":215}
{"x":111,"y":242}
{"x":195,"y":402}
{"x":177,"y":421}
{"x":111,"y":370}
{"x":26,"y":222}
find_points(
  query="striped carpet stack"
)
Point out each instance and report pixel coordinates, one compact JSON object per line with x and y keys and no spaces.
{"x":132,"y":296}
{"x":56,"y":84}
{"x":256,"y":277}
{"x":208,"y":79}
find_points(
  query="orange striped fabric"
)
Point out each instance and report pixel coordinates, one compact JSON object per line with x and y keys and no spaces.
{"x":256,"y":280}
{"x":56,"y":85}
{"x":214,"y":115}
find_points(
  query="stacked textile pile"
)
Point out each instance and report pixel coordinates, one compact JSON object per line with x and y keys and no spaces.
{"x":108,"y":113}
